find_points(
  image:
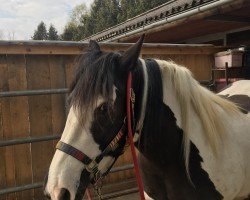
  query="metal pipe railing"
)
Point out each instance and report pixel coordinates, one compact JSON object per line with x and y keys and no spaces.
{"x":21,"y":188}
{"x":122,"y":168}
{"x":40,"y":184}
{"x":119,"y":193}
{"x":29,"y":140}
{"x":33,"y":92}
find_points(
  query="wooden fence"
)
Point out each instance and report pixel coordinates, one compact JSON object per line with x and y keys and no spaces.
{"x":26,"y":66}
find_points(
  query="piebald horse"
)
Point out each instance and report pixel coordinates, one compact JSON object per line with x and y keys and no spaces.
{"x":193,"y":143}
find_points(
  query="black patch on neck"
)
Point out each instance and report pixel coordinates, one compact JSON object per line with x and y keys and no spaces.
{"x":161,"y":142}
{"x":200,"y":178}
{"x":138,"y":87}
{"x":160,"y":124}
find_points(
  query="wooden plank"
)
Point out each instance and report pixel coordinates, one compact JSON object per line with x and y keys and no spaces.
{"x":203,"y":66}
{"x":58,"y":80}
{"x":58,"y":49}
{"x":228,"y":18}
{"x":2,"y":158}
{"x":199,"y":65}
{"x":8,"y":167}
{"x":38,"y":77}
{"x":20,"y":123}
{"x":3,"y":183}
{"x":70,"y":64}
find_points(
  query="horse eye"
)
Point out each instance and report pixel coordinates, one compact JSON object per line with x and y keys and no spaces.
{"x":104,"y":107}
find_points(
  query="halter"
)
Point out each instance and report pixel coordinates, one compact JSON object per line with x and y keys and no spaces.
{"x":92,"y":164}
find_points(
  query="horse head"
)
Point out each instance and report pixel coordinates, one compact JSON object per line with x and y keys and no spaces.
{"x":95,"y":132}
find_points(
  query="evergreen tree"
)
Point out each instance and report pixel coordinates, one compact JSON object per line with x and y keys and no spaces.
{"x":146,"y":5}
{"x":41,"y":32}
{"x":87,"y":28}
{"x":104,"y":14}
{"x":70,"y":32}
{"x":52,"y":34}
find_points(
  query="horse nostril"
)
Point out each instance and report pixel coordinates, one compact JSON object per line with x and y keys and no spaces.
{"x":64,"y":194}
{"x":47,"y":197}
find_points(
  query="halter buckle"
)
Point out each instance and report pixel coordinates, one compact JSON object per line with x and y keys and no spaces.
{"x":91,"y":166}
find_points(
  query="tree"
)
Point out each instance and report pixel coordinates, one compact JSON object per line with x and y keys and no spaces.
{"x":75,"y":29}
{"x":52,"y":34}
{"x":70,"y":32}
{"x":146,"y":5}
{"x":77,"y":13}
{"x":104,"y":14}
{"x":41,"y":32}
{"x":88,"y":26}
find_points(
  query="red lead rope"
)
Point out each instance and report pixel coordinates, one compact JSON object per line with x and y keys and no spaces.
{"x":130,"y":135}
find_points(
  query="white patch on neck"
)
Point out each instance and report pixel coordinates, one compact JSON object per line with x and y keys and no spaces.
{"x":114,"y":93}
{"x":230,"y":172}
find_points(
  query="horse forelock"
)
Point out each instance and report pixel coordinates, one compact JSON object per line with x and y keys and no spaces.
{"x":93,"y":79}
{"x":191,"y":95}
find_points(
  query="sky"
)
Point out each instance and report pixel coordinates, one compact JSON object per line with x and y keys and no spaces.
{"x":19,"y":18}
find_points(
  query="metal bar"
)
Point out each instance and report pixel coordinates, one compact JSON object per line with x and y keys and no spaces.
{"x":33,"y":92}
{"x":40,"y":184}
{"x":122,"y":168}
{"x":119,"y":193}
{"x":29,"y":140}
{"x":21,"y":188}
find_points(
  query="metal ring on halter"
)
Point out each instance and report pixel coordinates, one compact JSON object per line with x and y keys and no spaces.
{"x":91,"y":166}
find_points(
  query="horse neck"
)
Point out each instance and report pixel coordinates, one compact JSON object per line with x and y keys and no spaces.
{"x":157,"y":135}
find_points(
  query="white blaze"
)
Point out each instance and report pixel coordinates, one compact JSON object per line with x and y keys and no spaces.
{"x":65,"y":171}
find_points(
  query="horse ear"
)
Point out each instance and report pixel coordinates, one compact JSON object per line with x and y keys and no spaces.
{"x":94,"y":46}
{"x":129,"y":58}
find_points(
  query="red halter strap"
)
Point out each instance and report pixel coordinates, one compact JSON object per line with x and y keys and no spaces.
{"x":130,"y":109}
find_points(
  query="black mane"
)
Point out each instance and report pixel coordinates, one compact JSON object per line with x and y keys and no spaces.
{"x":93,"y":77}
